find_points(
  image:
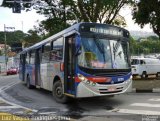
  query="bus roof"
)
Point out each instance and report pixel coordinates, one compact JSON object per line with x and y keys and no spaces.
{"x":73,"y":27}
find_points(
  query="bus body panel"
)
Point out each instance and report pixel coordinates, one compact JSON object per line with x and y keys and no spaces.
{"x":48,"y":72}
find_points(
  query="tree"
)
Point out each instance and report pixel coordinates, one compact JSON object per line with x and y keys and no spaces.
{"x":31,"y":38}
{"x":12,"y":37}
{"x":102,"y":11}
{"x":148,"y":12}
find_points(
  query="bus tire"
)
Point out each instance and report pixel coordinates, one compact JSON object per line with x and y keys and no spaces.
{"x":57,"y":92}
{"x":144,"y":75}
{"x":29,"y":86}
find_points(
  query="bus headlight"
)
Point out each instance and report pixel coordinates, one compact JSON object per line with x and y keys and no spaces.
{"x":82,"y":78}
{"x":86,"y":81}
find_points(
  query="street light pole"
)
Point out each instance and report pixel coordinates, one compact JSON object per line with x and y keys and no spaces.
{"x":5,"y":47}
{"x":5,"y":43}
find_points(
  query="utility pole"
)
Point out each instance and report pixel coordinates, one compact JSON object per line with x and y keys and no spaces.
{"x":5,"y":44}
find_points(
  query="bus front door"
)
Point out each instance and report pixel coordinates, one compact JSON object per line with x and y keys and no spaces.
{"x":69,"y":66}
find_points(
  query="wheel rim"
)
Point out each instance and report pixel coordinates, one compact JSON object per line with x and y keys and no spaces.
{"x":144,"y":75}
{"x":59,"y":92}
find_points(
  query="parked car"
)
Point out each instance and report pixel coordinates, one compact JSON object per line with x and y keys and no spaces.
{"x":12,"y":70}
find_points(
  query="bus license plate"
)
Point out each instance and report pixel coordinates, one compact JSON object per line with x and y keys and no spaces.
{"x":112,"y":89}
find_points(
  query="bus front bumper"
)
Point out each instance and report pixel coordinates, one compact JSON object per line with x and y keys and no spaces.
{"x":84,"y":90}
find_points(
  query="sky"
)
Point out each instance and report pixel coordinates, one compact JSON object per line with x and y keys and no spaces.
{"x":26,"y":20}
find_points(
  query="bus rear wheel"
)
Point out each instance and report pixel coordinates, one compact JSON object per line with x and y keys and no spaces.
{"x":58,"y":94}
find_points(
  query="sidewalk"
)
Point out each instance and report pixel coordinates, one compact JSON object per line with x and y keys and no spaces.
{"x":3,"y":74}
{"x":150,"y":84}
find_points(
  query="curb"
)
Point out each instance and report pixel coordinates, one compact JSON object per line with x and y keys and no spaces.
{"x":154,"y":90}
{"x":2,"y":73}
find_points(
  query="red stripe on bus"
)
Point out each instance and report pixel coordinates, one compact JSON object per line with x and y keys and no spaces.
{"x":95,"y":79}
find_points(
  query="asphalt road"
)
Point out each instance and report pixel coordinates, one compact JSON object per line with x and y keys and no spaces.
{"x":124,"y":107}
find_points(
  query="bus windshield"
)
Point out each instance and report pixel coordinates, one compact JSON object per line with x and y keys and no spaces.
{"x":103,"y":54}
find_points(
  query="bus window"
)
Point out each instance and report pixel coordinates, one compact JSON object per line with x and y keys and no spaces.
{"x":46,"y":52}
{"x":57,"y":50}
{"x":27,"y":58}
{"x":32,"y":57}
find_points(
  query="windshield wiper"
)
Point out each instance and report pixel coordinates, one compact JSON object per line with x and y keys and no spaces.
{"x":115,"y":48}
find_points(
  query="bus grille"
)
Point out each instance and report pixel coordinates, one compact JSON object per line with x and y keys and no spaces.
{"x":108,"y":83}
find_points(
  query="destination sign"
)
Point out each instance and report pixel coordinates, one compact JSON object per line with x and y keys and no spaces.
{"x":102,"y":29}
{"x":107,"y":31}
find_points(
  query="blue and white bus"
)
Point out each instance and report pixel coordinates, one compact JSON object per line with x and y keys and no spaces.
{"x":84,"y":60}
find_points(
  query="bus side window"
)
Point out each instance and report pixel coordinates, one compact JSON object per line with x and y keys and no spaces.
{"x":57,"y":50}
{"x":32,"y":57}
{"x":27,"y":58}
{"x":46,"y":52}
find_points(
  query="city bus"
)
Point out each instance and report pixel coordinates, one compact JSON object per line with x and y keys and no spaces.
{"x":84,"y":60}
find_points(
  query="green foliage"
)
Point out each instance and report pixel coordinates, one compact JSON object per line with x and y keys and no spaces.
{"x":31,"y":38}
{"x":19,"y":37}
{"x":12,"y":37}
{"x":145,"y":45}
{"x":148,"y":12}
{"x":103,"y":11}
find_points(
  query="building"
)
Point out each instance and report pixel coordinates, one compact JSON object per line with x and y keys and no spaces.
{"x":2,"y":64}
{"x":2,"y":47}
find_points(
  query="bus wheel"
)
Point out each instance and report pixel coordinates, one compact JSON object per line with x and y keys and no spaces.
{"x":29,"y":86}
{"x":58,"y":92}
{"x":144,"y":75}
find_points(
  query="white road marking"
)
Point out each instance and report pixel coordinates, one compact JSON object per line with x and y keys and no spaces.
{"x":141,"y":112}
{"x":5,"y":107}
{"x":44,"y":113}
{"x":146,"y":105}
{"x":8,"y":86}
{"x":16,"y":105}
{"x":155,"y":99}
